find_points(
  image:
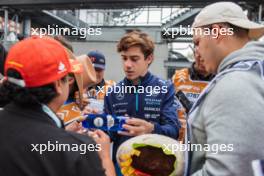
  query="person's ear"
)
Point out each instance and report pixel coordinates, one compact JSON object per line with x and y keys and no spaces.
{"x":218,"y":32}
{"x":215,"y":31}
{"x":150,"y":59}
{"x":58,"y":87}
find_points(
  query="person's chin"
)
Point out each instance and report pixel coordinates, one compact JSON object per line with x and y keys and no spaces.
{"x":210,"y":70}
{"x":130,"y":77}
{"x":202,"y":70}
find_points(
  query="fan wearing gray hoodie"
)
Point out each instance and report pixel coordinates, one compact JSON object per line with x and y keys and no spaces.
{"x":226,"y":124}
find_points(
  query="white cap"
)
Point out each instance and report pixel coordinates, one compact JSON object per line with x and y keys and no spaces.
{"x":228,"y":12}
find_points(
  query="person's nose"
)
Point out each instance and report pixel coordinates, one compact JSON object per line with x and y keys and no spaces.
{"x":128,"y":64}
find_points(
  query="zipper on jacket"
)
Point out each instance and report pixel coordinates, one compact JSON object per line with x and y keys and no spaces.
{"x":137,"y":97}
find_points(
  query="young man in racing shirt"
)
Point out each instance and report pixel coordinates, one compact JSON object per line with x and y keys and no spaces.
{"x":147,"y":100}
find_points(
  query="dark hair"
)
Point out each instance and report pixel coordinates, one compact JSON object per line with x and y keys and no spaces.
{"x":26,"y":96}
{"x":136,"y":38}
{"x":238,"y":31}
{"x":3,"y":54}
{"x":74,"y":88}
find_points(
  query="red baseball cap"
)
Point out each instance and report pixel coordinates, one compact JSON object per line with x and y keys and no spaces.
{"x":39,"y":61}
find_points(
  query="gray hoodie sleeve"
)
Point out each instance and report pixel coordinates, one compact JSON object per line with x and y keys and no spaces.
{"x":231,"y":115}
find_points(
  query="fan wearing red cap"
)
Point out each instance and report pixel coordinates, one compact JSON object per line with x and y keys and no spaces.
{"x":45,"y":62}
{"x":37,"y":85}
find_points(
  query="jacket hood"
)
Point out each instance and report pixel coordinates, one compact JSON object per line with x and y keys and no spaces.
{"x":251,"y":51}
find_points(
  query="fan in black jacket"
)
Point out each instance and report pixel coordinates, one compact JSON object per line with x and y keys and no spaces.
{"x":32,"y":139}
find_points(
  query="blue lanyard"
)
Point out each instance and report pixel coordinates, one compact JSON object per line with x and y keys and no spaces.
{"x":137,"y":98}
